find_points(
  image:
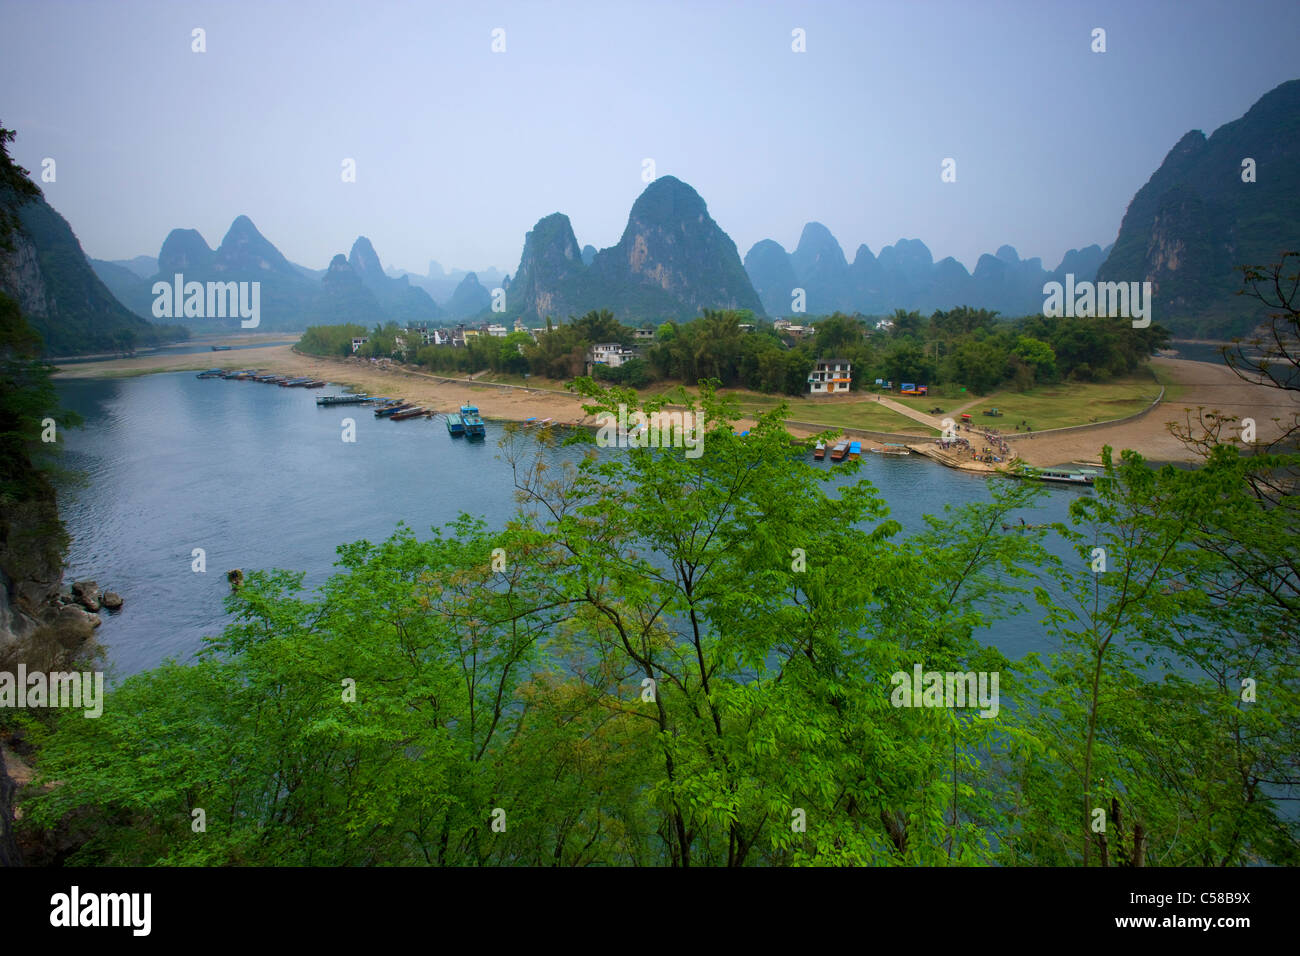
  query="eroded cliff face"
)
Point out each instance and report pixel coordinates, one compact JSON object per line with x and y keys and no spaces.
{"x":551,"y":275}
{"x":674,"y":250}
{"x":20,"y":276}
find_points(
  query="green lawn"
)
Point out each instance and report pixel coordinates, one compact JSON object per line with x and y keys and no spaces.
{"x":864,"y":414}
{"x":1056,"y":406}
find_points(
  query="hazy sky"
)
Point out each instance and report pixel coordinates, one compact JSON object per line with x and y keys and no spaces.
{"x":459,"y":150}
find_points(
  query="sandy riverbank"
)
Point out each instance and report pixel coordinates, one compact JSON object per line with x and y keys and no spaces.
{"x":509,"y":404}
{"x":1200,"y":384}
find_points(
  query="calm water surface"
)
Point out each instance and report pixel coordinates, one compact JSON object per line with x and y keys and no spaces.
{"x":259,"y":477}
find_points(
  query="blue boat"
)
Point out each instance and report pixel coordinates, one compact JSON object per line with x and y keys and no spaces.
{"x":393,"y":409}
{"x":474,"y":427}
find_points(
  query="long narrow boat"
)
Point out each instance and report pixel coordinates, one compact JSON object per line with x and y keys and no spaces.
{"x":221,"y":348}
{"x":342,"y":400}
{"x":415,"y":411}
{"x":892,"y":448}
{"x":819,"y":452}
{"x":393,"y":409}
{"x":838,"y":452}
{"x":212,"y":373}
{"x":1065,"y":476}
{"x":455,"y":426}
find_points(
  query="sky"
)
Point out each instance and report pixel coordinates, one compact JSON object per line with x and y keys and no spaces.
{"x":460,"y":149}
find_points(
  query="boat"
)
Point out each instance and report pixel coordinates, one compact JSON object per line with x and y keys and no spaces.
{"x":840,"y":450}
{"x":415,"y":411}
{"x":530,"y":422}
{"x":474,"y":427}
{"x":455,"y":426}
{"x":212,"y":373}
{"x":892,"y":448}
{"x":855,"y":450}
{"x":314,"y":383}
{"x":1064,"y":476}
{"x":393,"y":409}
{"x":221,"y":348}
{"x":342,"y":400}
{"x":546,"y":423}
{"x":819,"y":453}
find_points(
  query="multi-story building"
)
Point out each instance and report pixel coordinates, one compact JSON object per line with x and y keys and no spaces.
{"x":830,"y":377}
{"x":611,"y":354}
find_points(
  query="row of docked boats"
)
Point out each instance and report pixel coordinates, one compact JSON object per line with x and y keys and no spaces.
{"x":850,"y":450}
{"x":395,"y":409}
{"x":268,"y":378}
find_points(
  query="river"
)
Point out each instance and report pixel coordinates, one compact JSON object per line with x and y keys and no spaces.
{"x":258,"y":477}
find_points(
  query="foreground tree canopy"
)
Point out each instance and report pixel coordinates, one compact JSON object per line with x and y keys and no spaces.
{"x":666,"y":660}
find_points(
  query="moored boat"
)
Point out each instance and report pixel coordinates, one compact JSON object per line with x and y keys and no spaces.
{"x":474,"y":427}
{"x":840,"y":450}
{"x":342,"y":400}
{"x":392,"y":409}
{"x":892,"y":448}
{"x":212,"y":373}
{"x":819,"y":453}
{"x":455,"y":426}
{"x":221,"y":348}
{"x":415,"y":411}
{"x":855,"y":450}
{"x":1064,"y":476}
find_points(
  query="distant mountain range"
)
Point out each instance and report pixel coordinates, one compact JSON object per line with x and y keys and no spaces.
{"x":903,"y":276}
{"x":1186,"y":230}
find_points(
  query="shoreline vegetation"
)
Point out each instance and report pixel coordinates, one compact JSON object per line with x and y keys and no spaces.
{"x":1188,"y":384}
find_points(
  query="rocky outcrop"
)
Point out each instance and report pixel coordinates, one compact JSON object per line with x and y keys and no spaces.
{"x":9,"y":855}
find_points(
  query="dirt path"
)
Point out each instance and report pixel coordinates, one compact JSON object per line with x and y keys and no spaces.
{"x":912,"y":413}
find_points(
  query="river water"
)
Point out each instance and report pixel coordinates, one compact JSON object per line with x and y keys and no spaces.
{"x":258,"y":477}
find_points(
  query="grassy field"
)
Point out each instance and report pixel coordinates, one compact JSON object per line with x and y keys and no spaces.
{"x":858,"y":414}
{"x":1055,"y":406}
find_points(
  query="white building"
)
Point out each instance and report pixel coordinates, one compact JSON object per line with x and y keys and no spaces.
{"x":830,"y":377}
{"x":612,"y":354}
{"x":497,"y":331}
{"x":357,"y":343}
